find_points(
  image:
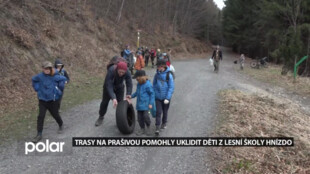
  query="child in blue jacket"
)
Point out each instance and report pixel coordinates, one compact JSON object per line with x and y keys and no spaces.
{"x":59,"y":66}
{"x":49,"y":87}
{"x":163,"y":84}
{"x":145,"y":100}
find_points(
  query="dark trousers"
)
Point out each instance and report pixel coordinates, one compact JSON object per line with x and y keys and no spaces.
{"x":52,"y":107}
{"x":106,"y":99}
{"x":144,"y":119}
{"x":59,"y":101}
{"x":152,"y":59}
{"x":216,"y":65}
{"x":161,"y":108}
{"x":147,"y":60}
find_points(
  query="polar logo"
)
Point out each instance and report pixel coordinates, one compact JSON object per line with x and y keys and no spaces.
{"x":44,"y":147}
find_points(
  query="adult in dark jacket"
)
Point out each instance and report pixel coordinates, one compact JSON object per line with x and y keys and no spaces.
{"x":113,"y":88}
{"x":59,"y":66}
{"x":49,"y":87}
{"x":217,"y":57}
{"x":153,"y":55}
{"x":146,"y":56}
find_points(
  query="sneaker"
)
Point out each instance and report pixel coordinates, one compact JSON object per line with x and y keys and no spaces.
{"x":163,"y":126}
{"x":141,"y":132}
{"x":60,"y":129}
{"x":37,"y":138}
{"x":157,"y":130}
{"x":99,"y":121}
{"x":148,"y":130}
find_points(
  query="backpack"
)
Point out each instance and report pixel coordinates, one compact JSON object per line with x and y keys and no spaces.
{"x":115,"y":60}
{"x":167,"y":77}
{"x":122,"y":53}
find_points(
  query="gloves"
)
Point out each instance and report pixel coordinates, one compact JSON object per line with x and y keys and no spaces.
{"x":166,"y":101}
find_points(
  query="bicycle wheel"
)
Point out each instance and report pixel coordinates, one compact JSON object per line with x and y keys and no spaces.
{"x":253,"y":64}
{"x":265,"y":65}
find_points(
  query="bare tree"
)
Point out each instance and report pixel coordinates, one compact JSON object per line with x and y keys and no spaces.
{"x":120,"y":12}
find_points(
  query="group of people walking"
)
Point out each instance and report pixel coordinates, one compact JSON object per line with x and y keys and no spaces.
{"x":50,"y":84}
{"x":143,"y":55}
{"x":158,"y":93}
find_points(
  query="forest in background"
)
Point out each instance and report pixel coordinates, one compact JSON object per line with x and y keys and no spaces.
{"x":85,"y":34}
{"x":278,"y":29}
{"x":198,"y":18}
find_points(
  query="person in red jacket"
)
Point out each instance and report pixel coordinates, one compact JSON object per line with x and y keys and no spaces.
{"x":153,"y":55}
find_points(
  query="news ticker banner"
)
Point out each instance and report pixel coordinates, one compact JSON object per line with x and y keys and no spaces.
{"x":182,"y":141}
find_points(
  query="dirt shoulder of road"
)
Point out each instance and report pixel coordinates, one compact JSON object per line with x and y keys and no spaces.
{"x":272,"y":75}
{"x":253,"y":115}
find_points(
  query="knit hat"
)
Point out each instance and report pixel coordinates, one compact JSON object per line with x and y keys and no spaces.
{"x":139,"y":73}
{"x":47,"y":64}
{"x":161,"y":62}
{"x":122,"y":65}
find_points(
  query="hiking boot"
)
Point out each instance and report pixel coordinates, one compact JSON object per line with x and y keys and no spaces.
{"x":141,"y":132}
{"x":37,"y":138}
{"x":60,"y":129}
{"x":163,"y":126}
{"x":157,"y":130}
{"x":148,"y":130}
{"x":99,"y":121}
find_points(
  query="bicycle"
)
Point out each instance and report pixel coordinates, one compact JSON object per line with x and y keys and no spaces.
{"x":259,"y":62}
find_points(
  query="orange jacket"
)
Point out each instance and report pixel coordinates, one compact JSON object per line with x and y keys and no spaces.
{"x":139,"y":63}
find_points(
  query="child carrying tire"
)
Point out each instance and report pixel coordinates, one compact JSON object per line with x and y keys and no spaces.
{"x":145,"y":99}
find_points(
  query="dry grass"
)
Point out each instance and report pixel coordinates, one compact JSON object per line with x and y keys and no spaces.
{"x":249,"y":115}
{"x":272,"y":75}
{"x":34,"y":32}
{"x":21,"y":37}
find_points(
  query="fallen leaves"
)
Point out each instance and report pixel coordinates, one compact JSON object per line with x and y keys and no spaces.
{"x":252,"y":115}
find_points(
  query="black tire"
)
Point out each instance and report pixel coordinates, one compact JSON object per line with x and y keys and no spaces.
{"x":253,"y":64}
{"x":125,"y":117}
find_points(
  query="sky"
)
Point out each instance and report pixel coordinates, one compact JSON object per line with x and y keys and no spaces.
{"x":219,"y":3}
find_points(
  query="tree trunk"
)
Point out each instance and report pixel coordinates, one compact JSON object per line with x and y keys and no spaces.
{"x":108,"y":9}
{"x":120,"y":12}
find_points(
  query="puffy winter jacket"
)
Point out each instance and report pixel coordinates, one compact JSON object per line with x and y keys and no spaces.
{"x":139,"y":63}
{"x":126,"y":54}
{"x":48,"y":88}
{"x":145,"y":96}
{"x":163,"y":88}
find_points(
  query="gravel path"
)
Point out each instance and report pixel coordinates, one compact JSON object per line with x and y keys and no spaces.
{"x":192,"y":113}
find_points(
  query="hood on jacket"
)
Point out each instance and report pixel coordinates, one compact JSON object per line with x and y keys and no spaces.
{"x":58,"y":62}
{"x":166,"y":70}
